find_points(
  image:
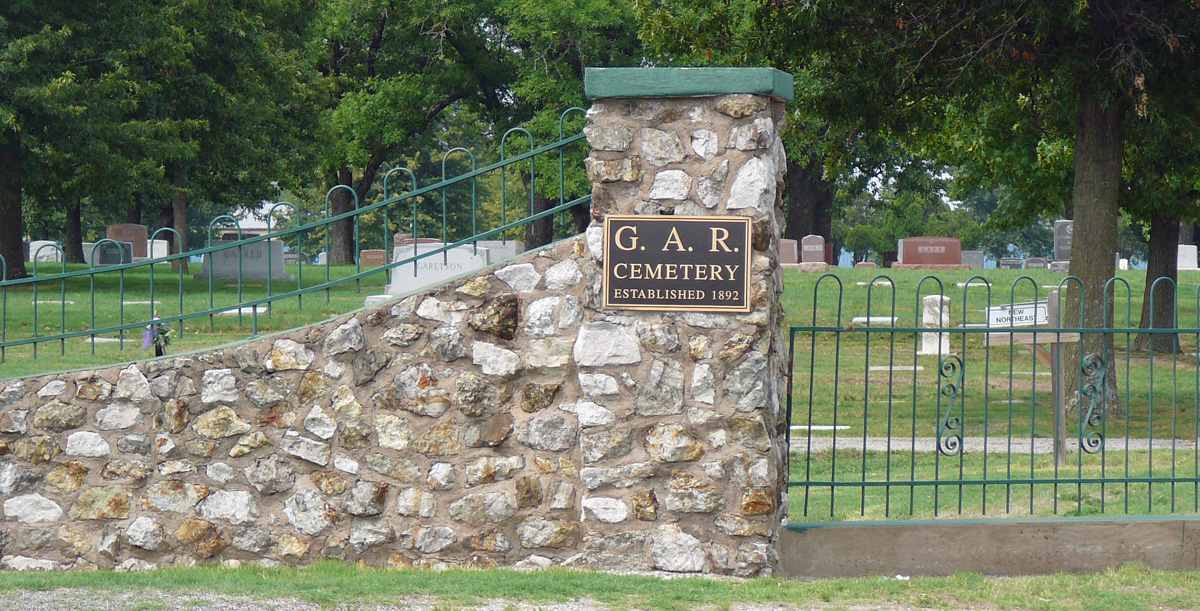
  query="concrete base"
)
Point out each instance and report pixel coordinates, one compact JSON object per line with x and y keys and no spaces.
{"x":1060,"y":267}
{"x":1032,"y":546}
{"x":811,"y":266}
{"x":935,"y":267}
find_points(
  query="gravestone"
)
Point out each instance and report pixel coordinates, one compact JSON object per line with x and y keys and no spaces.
{"x":48,"y":254}
{"x":935,"y":313}
{"x":1060,"y":267}
{"x":134,"y":234}
{"x":890,"y":258}
{"x":900,"y":251}
{"x":973,"y":259}
{"x":928,"y":252}
{"x":1063,"y":231}
{"x":789,"y":252}
{"x":87,"y":252}
{"x":1123,"y":264}
{"x":1186,"y":257}
{"x":372,"y":258}
{"x":254,"y":262}
{"x":1035,"y":263}
{"x":293,"y":257}
{"x":433,"y":269}
{"x":829,"y":254}
{"x":865,"y":264}
{"x":320,"y":260}
{"x":501,"y":250}
{"x":158,"y":248}
{"x":812,"y":249}
{"x":107,"y":253}
{"x":1009,"y":263}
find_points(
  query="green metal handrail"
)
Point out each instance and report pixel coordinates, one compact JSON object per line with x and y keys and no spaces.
{"x":299,"y":230}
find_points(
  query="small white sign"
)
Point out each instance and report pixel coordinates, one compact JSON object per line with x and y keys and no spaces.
{"x":1018,"y":315}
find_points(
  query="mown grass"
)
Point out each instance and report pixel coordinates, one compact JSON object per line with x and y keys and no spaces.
{"x":329,"y":584}
{"x":938,"y":492}
{"x":193,"y":334}
{"x":1004,"y":388}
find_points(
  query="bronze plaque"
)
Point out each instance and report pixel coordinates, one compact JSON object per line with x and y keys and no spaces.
{"x":677,"y":263}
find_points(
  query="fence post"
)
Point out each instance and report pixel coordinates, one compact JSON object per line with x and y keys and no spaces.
{"x":935,"y":313}
{"x":1060,"y":396}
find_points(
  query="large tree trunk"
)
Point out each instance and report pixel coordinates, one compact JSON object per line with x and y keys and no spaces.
{"x":809,"y":201}
{"x":11,"y":221}
{"x":133,"y":214}
{"x":1099,"y":141}
{"x":1163,"y":263}
{"x":540,"y":232}
{"x":74,"y":245}
{"x":341,"y":233}
{"x":179,"y":205}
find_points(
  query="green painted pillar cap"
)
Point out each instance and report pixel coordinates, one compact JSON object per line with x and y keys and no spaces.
{"x":685,"y":82}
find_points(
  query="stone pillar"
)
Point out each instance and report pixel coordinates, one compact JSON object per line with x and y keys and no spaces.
{"x":935,"y":313}
{"x":705,"y":476}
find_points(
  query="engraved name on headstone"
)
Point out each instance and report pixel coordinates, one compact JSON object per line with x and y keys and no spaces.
{"x":373,"y":257}
{"x":789,"y":252}
{"x":812,"y":249}
{"x":107,"y":253}
{"x":1035,"y":263}
{"x":433,"y":269}
{"x":1009,"y":263}
{"x":927,"y":250}
{"x":254,"y":262}
{"x":1063,"y":231}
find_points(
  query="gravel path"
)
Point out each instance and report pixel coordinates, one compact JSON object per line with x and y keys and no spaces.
{"x":975,"y":443}
{"x":153,"y":600}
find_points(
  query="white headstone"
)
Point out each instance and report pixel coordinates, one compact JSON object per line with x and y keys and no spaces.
{"x":935,"y":313}
{"x":498,"y":250}
{"x":254,"y":262}
{"x":49,"y":254}
{"x":87,"y":252}
{"x":158,"y":248}
{"x":433,"y":269}
{"x":1187,"y":257}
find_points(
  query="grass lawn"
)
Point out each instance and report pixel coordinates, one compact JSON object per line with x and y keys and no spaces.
{"x":196,"y":333}
{"x":1129,"y":588}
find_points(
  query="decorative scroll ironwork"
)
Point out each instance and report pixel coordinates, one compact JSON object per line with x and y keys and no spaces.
{"x":1093,"y":369}
{"x":950,"y":427}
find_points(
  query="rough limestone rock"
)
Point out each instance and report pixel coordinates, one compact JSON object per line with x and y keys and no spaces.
{"x":616,"y":138}
{"x":605,"y":443}
{"x":539,"y":317}
{"x":590,"y":414}
{"x":671,"y":185}
{"x":271,"y":475}
{"x":347,"y":337}
{"x":704,"y":143}
{"x":146,"y":533}
{"x":550,"y":432}
{"x":54,"y":416}
{"x":598,"y":384}
{"x":308,"y":513}
{"x":236,"y":506}
{"x":624,"y":476}
{"x":672,"y":443}
{"x":103,"y":503}
{"x":118,"y":416}
{"x":308,"y":449}
{"x":14,"y":422}
{"x":202,"y":536}
{"x":442,"y":476}
{"x":539,"y":532}
{"x":746,"y":386}
{"x":447,"y":343}
{"x":488,"y":432}
{"x":394,"y":432}
{"x":31,"y":509}
{"x":477,"y":509}
{"x":488,"y":469}
{"x":563,"y":275}
{"x":436,"y":539}
{"x":661,"y":147}
{"x":494,"y":360}
{"x":369,"y":533}
{"x":753,"y":186}
{"x":604,"y":343}
{"x":23,"y":564}
{"x":218,"y":386}
{"x":496,"y":316}
{"x":710,"y":187}
{"x":220,"y":422}
{"x":662,"y":394}
{"x":87,"y":444}
{"x":37,"y":449}
{"x":605,"y":509}
{"x":366,"y":499}
{"x":173,"y":496}
{"x":15,"y":478}
{"x":288,"y":355}
{"x":319,"y":423}
{"x":521,"y":277}
{"x":92,"y":389}
{"x":414,"y":502}
{"x":132,"y":386}
{"x":673,"y":550}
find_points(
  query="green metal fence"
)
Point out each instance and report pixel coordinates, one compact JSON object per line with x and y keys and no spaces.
{"x":979,"y":402}
{"x":57,"y":308}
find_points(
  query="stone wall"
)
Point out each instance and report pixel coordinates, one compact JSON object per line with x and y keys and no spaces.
{"x":504,"y":419}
